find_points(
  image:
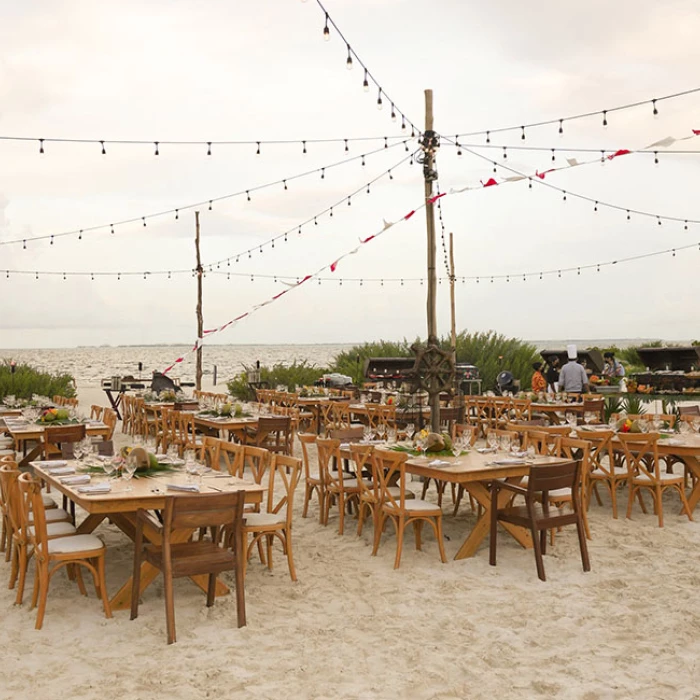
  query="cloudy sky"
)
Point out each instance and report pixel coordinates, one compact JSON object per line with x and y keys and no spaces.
{"x":260,"y":71}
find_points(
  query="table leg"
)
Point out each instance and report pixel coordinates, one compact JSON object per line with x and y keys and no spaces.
{"x":127,"y":523}
{"x":34,"y":454}
{"x":694,"y":465}
{"x":483,"y":524}
{"x":90,"y":523}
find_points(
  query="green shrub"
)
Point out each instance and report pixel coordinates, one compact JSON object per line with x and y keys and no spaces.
{"x":26,"y":381}
{"x":296,"y":374}
{"x":492,"y":353}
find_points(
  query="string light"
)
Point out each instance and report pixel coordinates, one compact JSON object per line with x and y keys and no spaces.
{"x":348,"y":63}
{"x":365,"y":82}
{"x":157,"y":153}
{"x":379,"y":99}
{"x":104,"y":152}
{"x":208,"y":148}
{"x":41,"y":145}
{"x":326,"y":30}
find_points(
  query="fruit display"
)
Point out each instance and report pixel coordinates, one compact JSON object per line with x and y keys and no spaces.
{"x":51,"y":415}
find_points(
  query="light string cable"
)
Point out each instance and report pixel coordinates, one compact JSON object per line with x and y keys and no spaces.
{"x":300,"y":281}
{"x":368,"y":77}
{"x":443,"y":242}
{"x":514,"y":276}
{"x":158,"y":144}
{"x":559,"y":122}
{"x":539,"y":179}
{"x":111,"y":227}
{"x":209,"y":267}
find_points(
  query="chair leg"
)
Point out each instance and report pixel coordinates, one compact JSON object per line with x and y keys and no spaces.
{"x":684,"y":501}
{"x":583,"y":545}
{"x":290,"y":558}
{"x":378,"y":527}
{"x":417,"y":526}
{"x":240,"y":578}
{"x":42,"y":575}
{"x":493,"y":533}
{"x":22,"y":565}
{"x":441,"y":544}
{"x":308,"y":490}
{"x":458,"y":500}
{"x":341,"y":508}
{"x":103,"y":586}
{"x":169,"y":608}
{"x":538,"y":553}
{"x":613,"y":498}
{"x":658,"y":502}
{"x":400,"y":525}
{"x":211,"y":590}
{"x":136,"y":575}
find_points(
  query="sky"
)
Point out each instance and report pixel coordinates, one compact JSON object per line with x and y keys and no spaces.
{"x":261,"y":71}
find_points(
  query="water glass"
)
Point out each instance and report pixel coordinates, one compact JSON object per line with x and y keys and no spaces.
{"x":128,"y":469}
{"x":409,"y":430}
{"x":504,"y":443}
{"x":492,"y":440}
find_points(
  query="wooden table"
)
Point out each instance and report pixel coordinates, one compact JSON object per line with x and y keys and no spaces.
{"x":23,"y":432}
{"x":232,"y":426}
{"x":552,"y":409}
{"x":474,"y":471}
{"x":120,"y":507}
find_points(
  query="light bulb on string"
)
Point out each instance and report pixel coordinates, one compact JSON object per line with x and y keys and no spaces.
{"x":157,"y":153}
{"x":331,"y":212}
{"x":553,"y":156}
{"x":24,"y":245}
{"x":628,"y":215}
{"x":111,"y":229}
{"x":393,"y":112}
{"x":41,"y":147}
{"x":403,"y":122}
{"x":52,"y":240}
{"x":143,"y":218}
{"x":323,"y":173}
{"x":348,"y":63}
{"x":685,"y":225}
{"x":564,"y":197}
{"x":391,"y":177}
{"x":80,"y":235}
{"x":208,"y":148}
{"x":655,"y":110}
{"x":561,"y":127}
{"x":104,"y":152}
{"x":303,"y":143}
{"x":386,"y":142}
{"x":658,"y":220}
{"x":488,"y":137}
{"x":656,"y":158}
{"x":380,"y":104}
{"x":257,"y":152}
{"x":326,"y":30}
{"x":247,"y":195}
{"x":365,"y":82}
{"x":529,"y":183}
{"x":595,"y":206}
{"x":210,"y":205}
{"x":177,"y":214}
{"x":285,"y":184}
{"x":505,"y":153}
{"x":522,"y":133}
{"x":349,"y":201}
{"x":368,"y":188}
{"x":605,"y":117}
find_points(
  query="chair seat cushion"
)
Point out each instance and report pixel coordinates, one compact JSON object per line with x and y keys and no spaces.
{"x":559,"y":494}
{"x":253,"y":520}
{"x":74,"y":544}
{"x":48,"y":501}
{"x":53,"y":515}
{"x":600,"y":474}
{"x":663,"y":478}
{"x":56,"y":529}
{"x":416,"y":505}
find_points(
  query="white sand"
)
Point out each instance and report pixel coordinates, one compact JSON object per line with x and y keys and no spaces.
{"x":352,"y":627}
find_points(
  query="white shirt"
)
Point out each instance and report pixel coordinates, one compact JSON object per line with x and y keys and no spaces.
{"x":572,"y":377}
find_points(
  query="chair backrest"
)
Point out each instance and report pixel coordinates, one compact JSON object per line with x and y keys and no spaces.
{"x":328,"y":449}
{"x":469,"y":432}
{"x":641,"y":454}
{"x":257,"y":460}
{"x":544,"y":478}
{"x":544,"y":443}
{"x":109,"y":418}
{"x":521,"y":409}
{"x":284,"y":477}
{"x":9,"y":495}
{"x":348,"y":434}
{"x":689,"y":410}
{"x":31,"y":502}
{"x":362,"y":456}
{"x":56,"y":436}
{"x":211,"y":452}
{"x":389,"y":469}
{"x":275,"y":433}
{"x":449,"y":416}
{"x":96,"y":412}
{"x":341,"y":414}
{"x":600,"y":447}
{"x":306,"y":439}
{"x":202,"y":510}
{"x":233,"y":456}
{"x":575,"y":449}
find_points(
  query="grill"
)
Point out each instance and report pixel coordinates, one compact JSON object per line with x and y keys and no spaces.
{"x":389,"y":369}
{"x":669,"y":370}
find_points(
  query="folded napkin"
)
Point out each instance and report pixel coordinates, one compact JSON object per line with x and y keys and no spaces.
{"x":51,"y":463}
{"x":61,"y":471}
{"x":439,"y":463}
{"x":344,"y":446}
{"x":485,"y":450}
{"x":95,"y":488}
{"x":674,"y":441}
{"x":77,"y":479}
{"x":509,"y":460}
{"x":193,"y":488}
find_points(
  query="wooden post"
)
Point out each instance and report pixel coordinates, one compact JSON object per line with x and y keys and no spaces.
{"x":452,"y":300}
{"x":429,"y":176}
{"x":200,"y":320}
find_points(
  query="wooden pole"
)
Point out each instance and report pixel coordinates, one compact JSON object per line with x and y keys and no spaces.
{"x":429,"y":176}
{"x":200,"y":320}
{"x":452,"y":300}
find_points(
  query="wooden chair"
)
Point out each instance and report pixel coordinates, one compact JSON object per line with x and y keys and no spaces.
{"x":20,"y":547}
{"x":109,"y":418}
{"x":53,"y":438}
{"x":603,"y":467}
{"x":368,"y":489}
{"x":449,"y":417}
{"x":217,"y":511}
{"x":50,"y":555}
{"x":276,"y":521}
{"x":644,"y":472}
{"x":274,"y":433}
{"x":96,"y":412}
{"x":313,"y":483}
{"x":390,"y":471}
{"x":127,"y":414}
{"x":536,"y":514}
{"x":187,"y":437}
{"x":339,"y":486}
{"x":596,"y":406}
{"x":689,"y":410}
{"x":348,"y":434}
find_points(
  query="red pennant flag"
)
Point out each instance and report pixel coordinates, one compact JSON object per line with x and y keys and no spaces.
{"x":277,"y":296}
{"x":165,"y":371}
{"x":406,"y":218}
{"x":434,"y":199}
{"x":238,"y":318}
{"x":367,"y":240}
{"x":334,"y":265}
{"x":621,"y":152}
{"x":308,"y":277}
{"x":489,"y":183}
{"x":696,"y":132}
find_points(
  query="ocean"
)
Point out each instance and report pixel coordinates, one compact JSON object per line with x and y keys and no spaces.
{"x":89,"y":365}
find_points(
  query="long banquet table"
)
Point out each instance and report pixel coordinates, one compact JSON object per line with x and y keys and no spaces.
{"x":149,"y":493}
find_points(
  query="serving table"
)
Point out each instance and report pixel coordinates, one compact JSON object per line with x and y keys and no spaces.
{"x":149,"y":493}
{"x":23,"y":432}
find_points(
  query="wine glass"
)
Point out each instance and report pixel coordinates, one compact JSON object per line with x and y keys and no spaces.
{"x":367,"y":433}
{"x":409,"y":430}
{"x":530,"y":452}
{"x":571,"y":419}
{"x":588,"y":417}
{"x":492,"y":440}
{"x":504,"y":443}
{"x":128,"y":469}
{"x":684,"y":427}
{"x":109,"y":466}
{"x":391,"y":435}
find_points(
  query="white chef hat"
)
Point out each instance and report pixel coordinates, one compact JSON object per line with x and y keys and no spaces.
{"x":571,"y":352}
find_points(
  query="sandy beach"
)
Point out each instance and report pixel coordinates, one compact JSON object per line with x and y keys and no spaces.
{"x":353,"y":627}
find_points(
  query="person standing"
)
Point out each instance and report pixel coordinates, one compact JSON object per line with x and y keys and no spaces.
{"x":552,"y":375}
{"x":539,"y":383}
{"x":612,"y":368}
{"x":573,"y":378}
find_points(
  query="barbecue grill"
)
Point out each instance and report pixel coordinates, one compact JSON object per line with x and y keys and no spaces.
{"x":670,"y":370}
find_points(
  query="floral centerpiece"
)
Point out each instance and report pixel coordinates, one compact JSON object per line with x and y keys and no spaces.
{"x":55,"y":416}
{"x":225,"y":411}
{"x":627,"y":425}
